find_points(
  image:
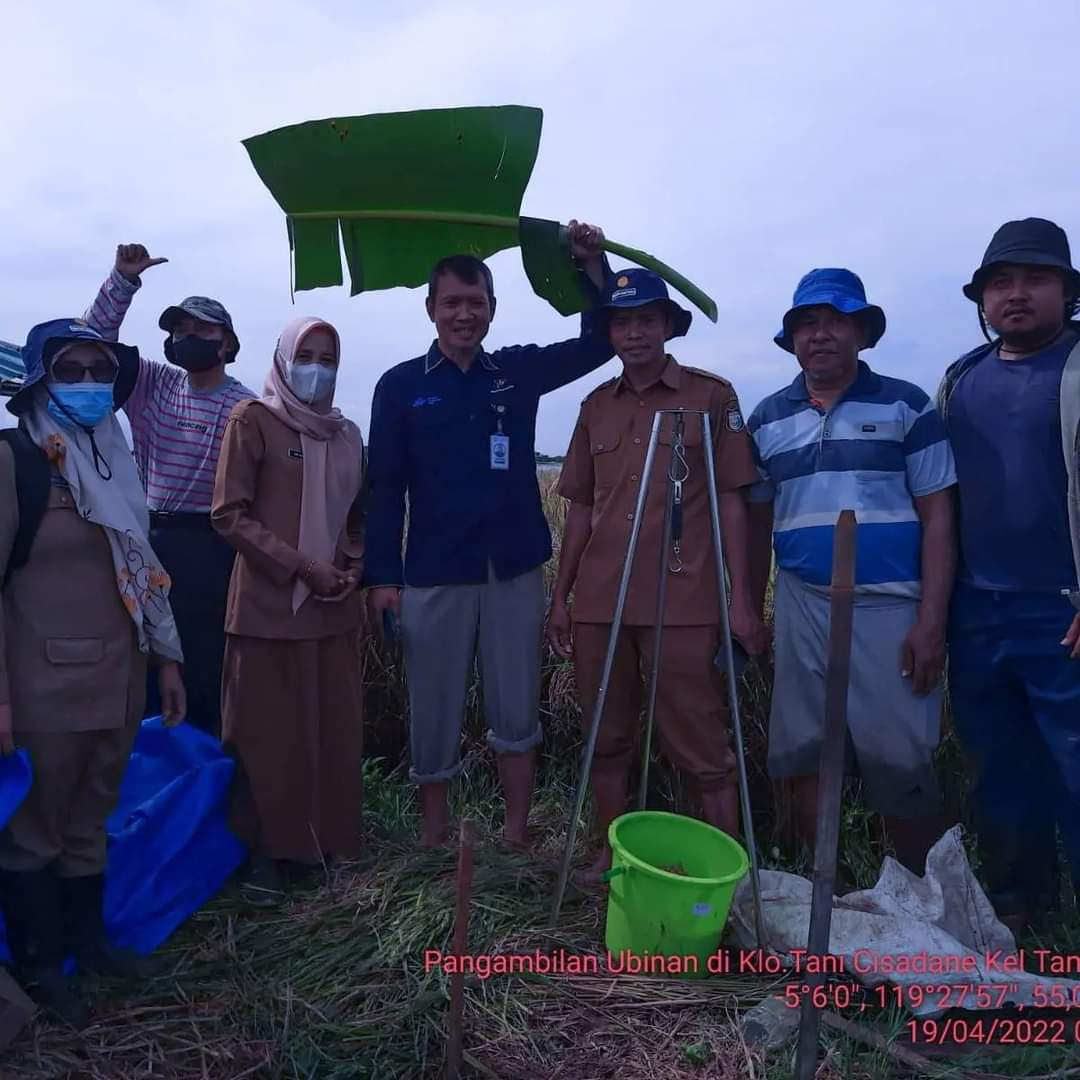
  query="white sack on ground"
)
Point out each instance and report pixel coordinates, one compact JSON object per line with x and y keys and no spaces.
{"x":941,"y":919}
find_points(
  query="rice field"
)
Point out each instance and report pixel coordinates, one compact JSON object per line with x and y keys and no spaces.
{"x":334,"y":984}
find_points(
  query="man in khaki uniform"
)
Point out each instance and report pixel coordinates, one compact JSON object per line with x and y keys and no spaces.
{"x":601,"y":478}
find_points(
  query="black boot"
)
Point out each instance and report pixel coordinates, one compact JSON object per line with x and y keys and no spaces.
{"x":260,"y":882}
{"x":1020,"y":867}
{"x":33,"y":915}
{"x":84,"y":925}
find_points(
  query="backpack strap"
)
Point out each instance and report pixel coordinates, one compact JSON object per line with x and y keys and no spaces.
{"x":1069,"y":395}
{"x":31,"y":493}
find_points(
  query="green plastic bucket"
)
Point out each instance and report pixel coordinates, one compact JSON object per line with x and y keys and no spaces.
{"x":654,"y":912}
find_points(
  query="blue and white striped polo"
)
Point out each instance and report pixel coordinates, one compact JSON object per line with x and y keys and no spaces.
{"x":877,"y":449}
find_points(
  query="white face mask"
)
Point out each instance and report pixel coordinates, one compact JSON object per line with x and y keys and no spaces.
{"x":313,"y":384}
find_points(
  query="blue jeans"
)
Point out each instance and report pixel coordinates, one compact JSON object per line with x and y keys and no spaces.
{"x":1016,"y":705}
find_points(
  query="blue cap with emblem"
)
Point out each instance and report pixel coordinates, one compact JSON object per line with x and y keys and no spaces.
{"x":635,"y":288}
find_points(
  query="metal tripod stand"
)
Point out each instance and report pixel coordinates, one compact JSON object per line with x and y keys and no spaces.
{"x":672,"y":527}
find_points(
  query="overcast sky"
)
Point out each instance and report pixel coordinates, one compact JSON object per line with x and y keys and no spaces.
{"x":742,"y":143}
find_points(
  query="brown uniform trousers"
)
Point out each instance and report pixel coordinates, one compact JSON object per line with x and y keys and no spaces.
{"x":603,"y":470}
{"x":71,"y":670}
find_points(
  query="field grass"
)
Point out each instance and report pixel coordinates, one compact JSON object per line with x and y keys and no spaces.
{"x":333,"y":985}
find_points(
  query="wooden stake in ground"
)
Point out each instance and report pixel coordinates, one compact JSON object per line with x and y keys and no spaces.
{"x":830,"y":779}
{"x":461,"y":943}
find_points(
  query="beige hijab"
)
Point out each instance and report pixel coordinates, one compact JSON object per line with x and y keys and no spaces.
{"x":333,"y":453}
{"x":118,"y":505}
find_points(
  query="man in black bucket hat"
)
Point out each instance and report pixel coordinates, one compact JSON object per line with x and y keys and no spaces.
{"x":178,"y":412}
{"x":1012,"y":409}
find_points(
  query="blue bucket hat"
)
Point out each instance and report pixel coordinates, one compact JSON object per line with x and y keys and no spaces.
{"x":840,"y":289}
{"x":636,"y":288}
{"x":46,"y":339}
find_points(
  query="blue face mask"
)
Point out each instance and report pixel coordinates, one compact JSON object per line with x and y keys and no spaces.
{"x":85,"y":403}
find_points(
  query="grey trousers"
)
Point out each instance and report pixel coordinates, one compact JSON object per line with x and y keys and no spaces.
{"x":892,"y":733}
{"x":441,"y":629}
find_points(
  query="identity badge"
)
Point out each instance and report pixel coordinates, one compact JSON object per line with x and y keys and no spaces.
{"x":500,"y":452}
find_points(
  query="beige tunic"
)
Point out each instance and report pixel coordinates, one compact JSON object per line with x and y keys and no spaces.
{"x":67,"y":644}
{"x":71,"y":670}
{"x":257,"y":509}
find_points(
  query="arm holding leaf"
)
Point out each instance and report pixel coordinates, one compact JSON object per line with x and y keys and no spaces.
{"x":587,"y":248}
{"x":567,"y":361}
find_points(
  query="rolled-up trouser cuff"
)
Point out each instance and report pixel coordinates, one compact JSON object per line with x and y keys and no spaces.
{"x":514,"y":746}
{"x":442,"y":626}
{"x":435,"y":777}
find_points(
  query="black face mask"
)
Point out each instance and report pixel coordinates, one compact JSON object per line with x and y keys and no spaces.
{"x":193,"y":353}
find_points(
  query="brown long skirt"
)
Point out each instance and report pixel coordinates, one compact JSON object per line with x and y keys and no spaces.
{"x":292,"y":716}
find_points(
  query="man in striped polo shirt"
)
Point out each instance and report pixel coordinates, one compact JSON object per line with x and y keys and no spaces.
{"x":842,"y":437}
{"x":178,"y":413}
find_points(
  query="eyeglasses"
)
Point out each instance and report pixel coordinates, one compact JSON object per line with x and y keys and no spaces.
{"x":68,"y":370}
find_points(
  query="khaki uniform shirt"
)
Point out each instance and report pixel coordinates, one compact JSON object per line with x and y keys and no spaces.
{"x":603,"y":470}
{"x":68,"y":647}
{"x":257,"y":509}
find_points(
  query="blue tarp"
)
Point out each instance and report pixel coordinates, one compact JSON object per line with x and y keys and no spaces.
{"x":170,"y":848}
{"x":15,"y":779}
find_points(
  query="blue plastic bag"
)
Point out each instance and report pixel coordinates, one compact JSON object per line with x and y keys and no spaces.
{"x":15,"y":778}
{"x":170,"y":847}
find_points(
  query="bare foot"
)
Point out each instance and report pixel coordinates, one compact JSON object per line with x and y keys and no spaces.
{"x":596,"y":870}
{"x":519,"y":841}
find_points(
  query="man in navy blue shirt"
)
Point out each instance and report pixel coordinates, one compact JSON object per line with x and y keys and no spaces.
{"x":1012,"y":410}
{"x":453,"y":431}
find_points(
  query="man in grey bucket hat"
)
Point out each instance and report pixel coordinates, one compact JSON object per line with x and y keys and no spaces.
{"x":178,"y":412}
{"x":1012,"y":410}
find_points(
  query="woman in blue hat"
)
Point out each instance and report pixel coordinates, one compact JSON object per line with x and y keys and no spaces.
{"x":84,"y":609}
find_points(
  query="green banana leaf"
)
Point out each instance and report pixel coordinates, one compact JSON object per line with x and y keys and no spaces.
{"x":399,"y":191}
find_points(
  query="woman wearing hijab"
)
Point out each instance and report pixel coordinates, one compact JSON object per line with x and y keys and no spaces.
{"x":83,"y":610}
{"x":288,"y":498}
